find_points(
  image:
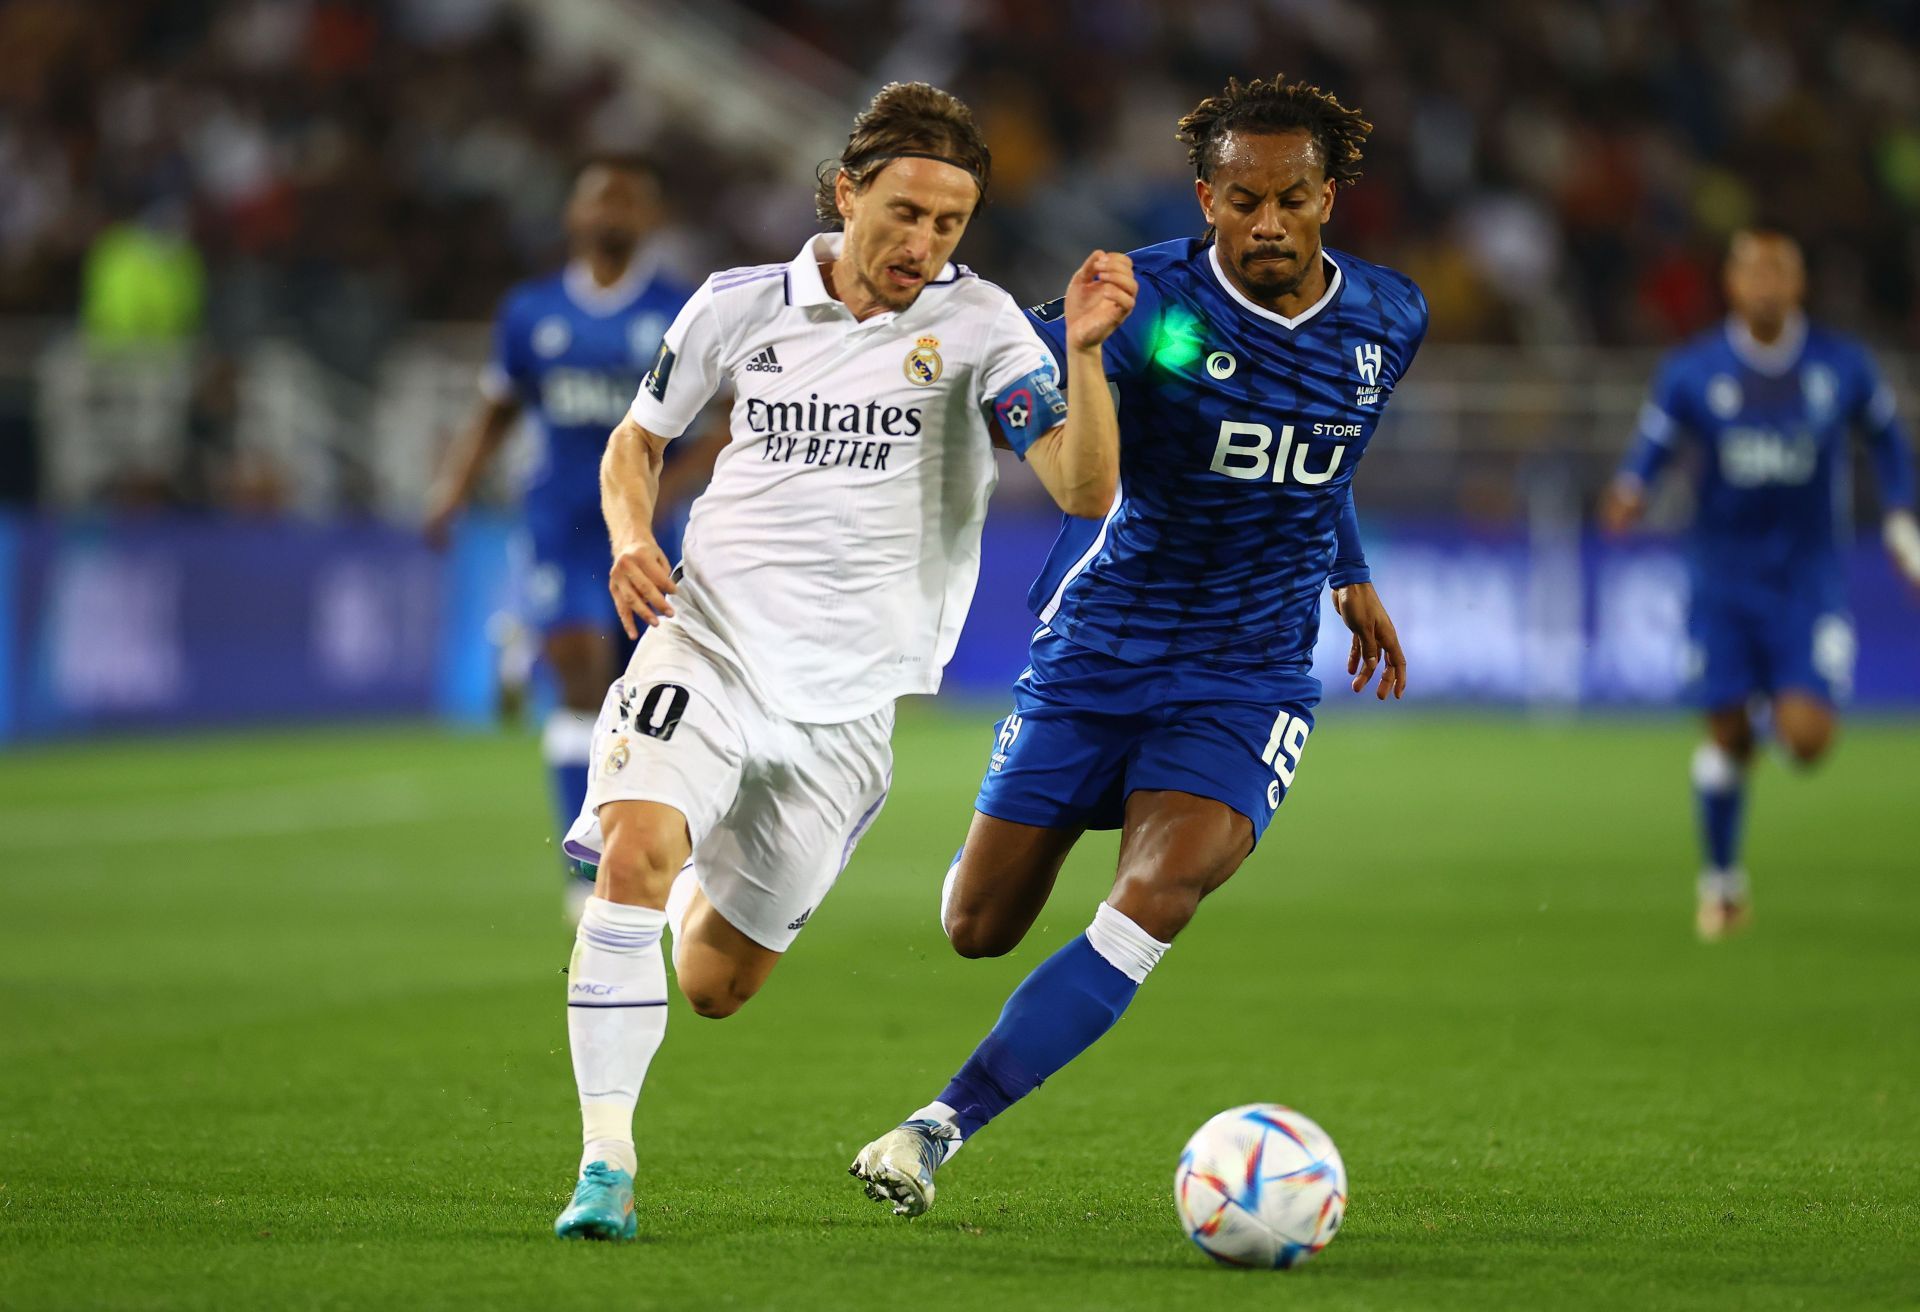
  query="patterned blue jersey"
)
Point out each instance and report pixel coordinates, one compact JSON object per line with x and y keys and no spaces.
{"x":1772,"y":422}
{"x":1239,"y":433}
{"x":573,"y":354}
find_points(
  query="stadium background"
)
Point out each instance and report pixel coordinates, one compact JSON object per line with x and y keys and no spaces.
{"x":247,"y":254}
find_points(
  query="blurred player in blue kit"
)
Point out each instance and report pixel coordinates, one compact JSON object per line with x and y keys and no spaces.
{"x":1770,"y":402}
{"x":570,"y":349}
{"x":1168,"y":692}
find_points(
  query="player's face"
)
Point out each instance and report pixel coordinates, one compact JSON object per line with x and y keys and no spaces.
{"x":1267,"y":198}
{"x":612,"y":210}
{"x":902,"y":226}
{"x":1765,"y":279}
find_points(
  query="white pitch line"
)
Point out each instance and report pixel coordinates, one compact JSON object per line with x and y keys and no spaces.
{"x":259,"y":812}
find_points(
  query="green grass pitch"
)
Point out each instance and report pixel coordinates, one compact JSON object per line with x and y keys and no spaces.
{"x":283,"y":1028}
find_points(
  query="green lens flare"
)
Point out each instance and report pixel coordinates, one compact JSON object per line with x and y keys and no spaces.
{"x":1176,"y":339}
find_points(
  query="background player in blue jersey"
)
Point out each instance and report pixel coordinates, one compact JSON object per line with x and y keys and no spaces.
{"x":1168,"y":692}
{"x":569,"y":350}
{"x":1770,"y":402}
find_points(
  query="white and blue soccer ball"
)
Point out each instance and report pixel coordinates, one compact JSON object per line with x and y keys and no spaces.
{"x":1260,"y":1186}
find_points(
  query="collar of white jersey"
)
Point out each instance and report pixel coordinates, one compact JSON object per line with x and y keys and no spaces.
{"x":594,"y":299}
{"x":805,"y":286}
{"x":1770,"y":358}
{"x":1333,"y":290}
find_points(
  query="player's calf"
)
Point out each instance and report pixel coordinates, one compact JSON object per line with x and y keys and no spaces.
{"x":719,"y":969}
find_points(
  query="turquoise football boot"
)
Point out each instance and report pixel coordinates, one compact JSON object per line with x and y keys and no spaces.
{"x":602,"y":1206}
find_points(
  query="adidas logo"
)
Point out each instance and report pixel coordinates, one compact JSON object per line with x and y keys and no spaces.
{"x":764,"y":363}
{"x":800,"y":921}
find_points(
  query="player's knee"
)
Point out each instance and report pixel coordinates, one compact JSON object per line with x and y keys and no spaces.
{"x":715,"y":999}
{"x":975,"y":936}
{"x":639,"y":863}
{"x":1806,"y":746}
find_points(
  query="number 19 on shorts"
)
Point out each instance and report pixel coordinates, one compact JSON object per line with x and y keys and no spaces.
{"x":1282,"y":752}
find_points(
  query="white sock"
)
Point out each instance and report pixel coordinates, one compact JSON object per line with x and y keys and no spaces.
{"x":679,"y":898}
{"x":616,"y":1020}
{"x":1714,"y":771}
{"x":1130,"y":949}
{"x":566,"y":737}
{"x":942,"y":1115}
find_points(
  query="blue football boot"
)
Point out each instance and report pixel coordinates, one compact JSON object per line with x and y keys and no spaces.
{"x":602,"y":1206}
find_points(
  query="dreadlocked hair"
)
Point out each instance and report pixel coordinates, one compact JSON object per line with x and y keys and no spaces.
{"x":1276,"y":106}
{"x":905,"y":117}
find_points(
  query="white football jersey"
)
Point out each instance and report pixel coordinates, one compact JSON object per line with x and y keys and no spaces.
{"x":834,"y":554}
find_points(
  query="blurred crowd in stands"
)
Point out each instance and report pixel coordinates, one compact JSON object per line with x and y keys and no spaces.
{"x":1551,"y":171}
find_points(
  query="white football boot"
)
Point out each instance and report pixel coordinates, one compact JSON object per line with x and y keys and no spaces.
{"x":898,"y":1167}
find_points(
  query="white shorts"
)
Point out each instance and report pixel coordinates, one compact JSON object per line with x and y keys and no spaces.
{"x":774,"y":807}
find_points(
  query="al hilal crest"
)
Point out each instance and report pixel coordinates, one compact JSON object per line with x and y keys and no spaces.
{"x":1366,"y":358}
{"x":923,"y":362}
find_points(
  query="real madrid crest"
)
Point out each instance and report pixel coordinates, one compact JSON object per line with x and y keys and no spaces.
{"x":618,"y":756}
{"x":923,"y":362}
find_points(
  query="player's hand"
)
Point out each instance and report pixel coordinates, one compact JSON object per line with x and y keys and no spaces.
{"x":1621,"y":507}
{"x":1901,"y":533}
{"x":640,"y":581}
{"x":1374,"y":640}
{"x":1099,"y":298}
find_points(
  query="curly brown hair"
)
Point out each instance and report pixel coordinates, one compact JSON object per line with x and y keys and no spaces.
{"x":905,"y":118}
{"x":1276,"y":106}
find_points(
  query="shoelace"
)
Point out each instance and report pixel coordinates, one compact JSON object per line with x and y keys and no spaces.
{"x":600,"y":1176}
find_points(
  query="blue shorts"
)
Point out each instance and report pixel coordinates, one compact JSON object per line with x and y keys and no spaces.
{"x":1748,"y":642}
{"x":1087,"y":729}
{"x":566,"y":585}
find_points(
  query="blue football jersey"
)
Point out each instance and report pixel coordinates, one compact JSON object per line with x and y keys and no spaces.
{"x":573,"y":354}
{"x":1240,"y":430}
{"x":1772,"y":423}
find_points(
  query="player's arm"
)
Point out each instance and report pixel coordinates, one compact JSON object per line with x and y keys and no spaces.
{"x":1374,"y":638}
{"x":641,"y":577}
{"x":1654,"y":441}
{"x":1892,"y":458}
{"x":684,"y":377}
{"x":466,"y":460}
{"x":1078,"y":460}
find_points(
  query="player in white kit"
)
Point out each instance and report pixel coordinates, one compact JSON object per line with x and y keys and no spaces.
{"x":827,"y":571}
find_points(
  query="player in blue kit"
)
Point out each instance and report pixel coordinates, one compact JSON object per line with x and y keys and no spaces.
{"x":570,"y":349}
{"x":1769,"y":401}
{"x":1168,"y":692}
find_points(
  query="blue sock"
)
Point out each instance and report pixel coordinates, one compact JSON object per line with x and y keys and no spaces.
{"x":567,"y":744}
{"x":1057,"y":1013}
{"x":1719,"y":784}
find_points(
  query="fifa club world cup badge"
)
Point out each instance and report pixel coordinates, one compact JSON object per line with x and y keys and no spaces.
{"x":923,"y":362}
{"x":618,"y":756}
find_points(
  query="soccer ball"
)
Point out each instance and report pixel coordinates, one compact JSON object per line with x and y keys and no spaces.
{"x":1260,"y":1186}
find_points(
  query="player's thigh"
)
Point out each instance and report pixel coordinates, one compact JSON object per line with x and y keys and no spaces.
{"x":1175,"y":849}
{"x":1804,"y":722}
{"x":581,"y":658}
{"x":1001,"y":881}
{"x":671,"y":738}
{"x":798,"y":816}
